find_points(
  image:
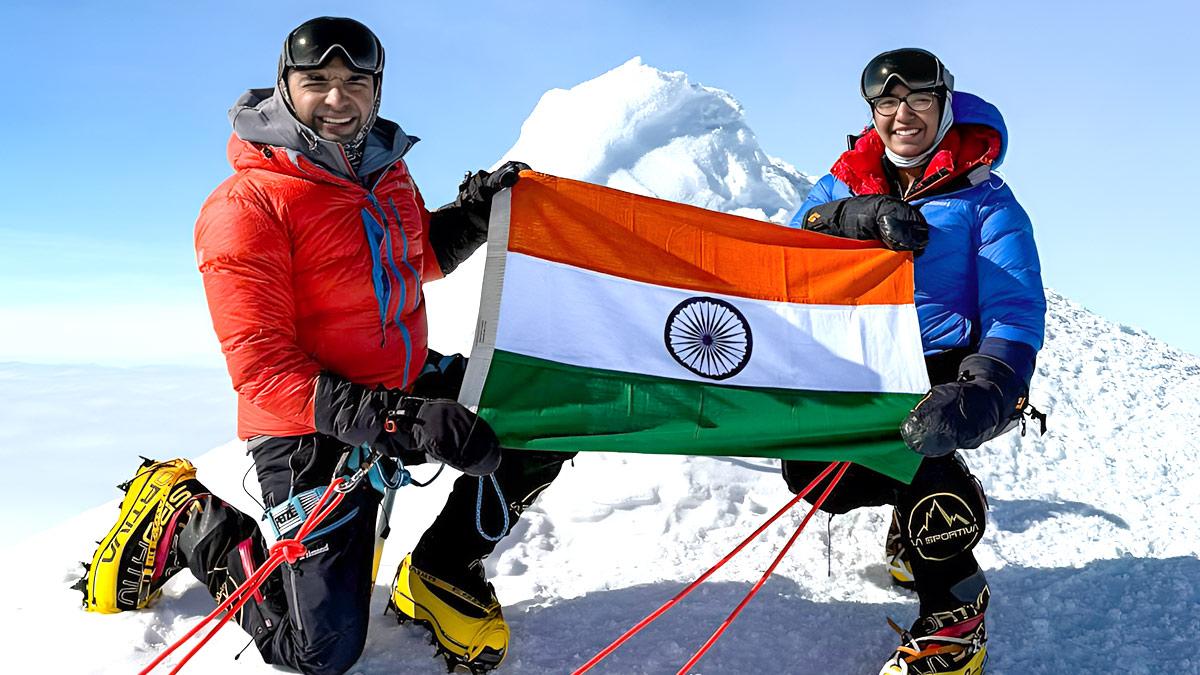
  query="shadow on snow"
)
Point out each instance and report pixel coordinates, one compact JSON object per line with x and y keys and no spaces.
{"x":1018,"y":515}
{"x":1140,"y":613}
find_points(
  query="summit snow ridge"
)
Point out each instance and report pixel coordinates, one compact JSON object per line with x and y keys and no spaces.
{"x":1091,"y":546}
{"x":655,"y":133}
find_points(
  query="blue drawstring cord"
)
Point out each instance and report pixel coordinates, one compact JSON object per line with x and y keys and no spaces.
{"x":398,"y":479}
{"x":479,"y":509}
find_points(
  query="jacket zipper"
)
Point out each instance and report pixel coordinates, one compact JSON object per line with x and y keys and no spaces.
{"x":919,"y":199}
{"x":296,"y":606}
{"x":915,"y":194}
{"x":386,"y":253}
{"x":349,"y":166}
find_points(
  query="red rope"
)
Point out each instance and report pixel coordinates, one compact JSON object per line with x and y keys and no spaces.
{"x":692,"y":586}
{"x":746,"y":600}
{"x":284,"y":550}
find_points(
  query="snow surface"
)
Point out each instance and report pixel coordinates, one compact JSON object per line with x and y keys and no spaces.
{"x":1092,"y":546}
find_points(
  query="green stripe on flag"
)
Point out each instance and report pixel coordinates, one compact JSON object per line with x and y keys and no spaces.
{"x":536,"y":404}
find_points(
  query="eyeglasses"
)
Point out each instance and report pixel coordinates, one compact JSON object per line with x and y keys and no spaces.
{"x":914,"y":68}
{"x":313,"y":42}
{"x":918,"y":101}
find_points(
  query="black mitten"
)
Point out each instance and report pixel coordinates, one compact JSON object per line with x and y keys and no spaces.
{"x":985,"y":401}
{"x":445,"y":430}
{"x":895,"y":222}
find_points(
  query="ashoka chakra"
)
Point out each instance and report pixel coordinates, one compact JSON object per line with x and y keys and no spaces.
{"x":709,"y":337}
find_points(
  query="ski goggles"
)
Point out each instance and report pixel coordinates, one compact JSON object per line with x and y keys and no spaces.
{"x":314,"y":42}
{"x":916,"y":69}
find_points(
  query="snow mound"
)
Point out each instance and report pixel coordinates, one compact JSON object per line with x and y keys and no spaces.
{"x":1120,"y":458}
{"x":642,"y":130}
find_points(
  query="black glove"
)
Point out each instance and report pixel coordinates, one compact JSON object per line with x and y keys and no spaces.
{"x":460,"y":227}
{"x":405,"y":427}
{"x":477,"y":189}
{"x":895,"y":222}
{"x":445,"y":430}
{"x":985,"y":401}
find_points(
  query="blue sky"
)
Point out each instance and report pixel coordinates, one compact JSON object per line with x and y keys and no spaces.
{"x":115,"y":130}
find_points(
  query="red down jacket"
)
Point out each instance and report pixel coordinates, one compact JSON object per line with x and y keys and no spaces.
{"x":306,"y":271}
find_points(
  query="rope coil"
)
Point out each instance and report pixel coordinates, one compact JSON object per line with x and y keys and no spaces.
{"x":479,"y":509}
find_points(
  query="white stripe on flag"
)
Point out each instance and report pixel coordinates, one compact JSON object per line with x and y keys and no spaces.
{"x":583,"y":318}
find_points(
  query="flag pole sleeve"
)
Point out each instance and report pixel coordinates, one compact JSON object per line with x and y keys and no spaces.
{"x":489,"y":304}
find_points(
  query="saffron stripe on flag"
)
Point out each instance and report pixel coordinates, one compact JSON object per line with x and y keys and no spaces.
{"x":671,"y":244}
{"x":536,"y":404}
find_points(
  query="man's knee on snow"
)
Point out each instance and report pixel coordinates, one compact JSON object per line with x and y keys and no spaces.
{"x":333,"y":653}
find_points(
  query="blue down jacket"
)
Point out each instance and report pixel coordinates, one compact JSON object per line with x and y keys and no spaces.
{"x":978,"y":284}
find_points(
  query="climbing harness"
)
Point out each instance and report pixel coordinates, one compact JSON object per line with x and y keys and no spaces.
{"x":285,"y":550}
{"x":299,"y":519}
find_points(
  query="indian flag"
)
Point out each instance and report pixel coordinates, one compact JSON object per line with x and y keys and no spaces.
{"x":615,"y":322}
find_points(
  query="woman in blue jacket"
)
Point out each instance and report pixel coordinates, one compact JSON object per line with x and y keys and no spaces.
{"x":920,"y":178}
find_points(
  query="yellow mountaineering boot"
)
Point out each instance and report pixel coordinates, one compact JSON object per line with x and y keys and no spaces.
{"x":897,"y":556}
{"x":470,"y":631}
{"x":135,"y":559}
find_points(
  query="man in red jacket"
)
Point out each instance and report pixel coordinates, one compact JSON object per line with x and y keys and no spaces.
{"x":313,"y":255}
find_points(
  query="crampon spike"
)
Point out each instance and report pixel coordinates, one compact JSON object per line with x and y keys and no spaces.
{"x":82,"y":582}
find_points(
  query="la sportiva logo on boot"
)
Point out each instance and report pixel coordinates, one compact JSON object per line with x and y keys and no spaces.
{"x":942,"y":526}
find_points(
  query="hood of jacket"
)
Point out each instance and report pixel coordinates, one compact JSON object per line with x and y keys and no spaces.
{"x":971,"y":109}
{"x":261,"y":116}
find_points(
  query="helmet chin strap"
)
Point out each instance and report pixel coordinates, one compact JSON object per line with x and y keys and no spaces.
{"x":919,"y":160}
{"x":355,"y":148}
